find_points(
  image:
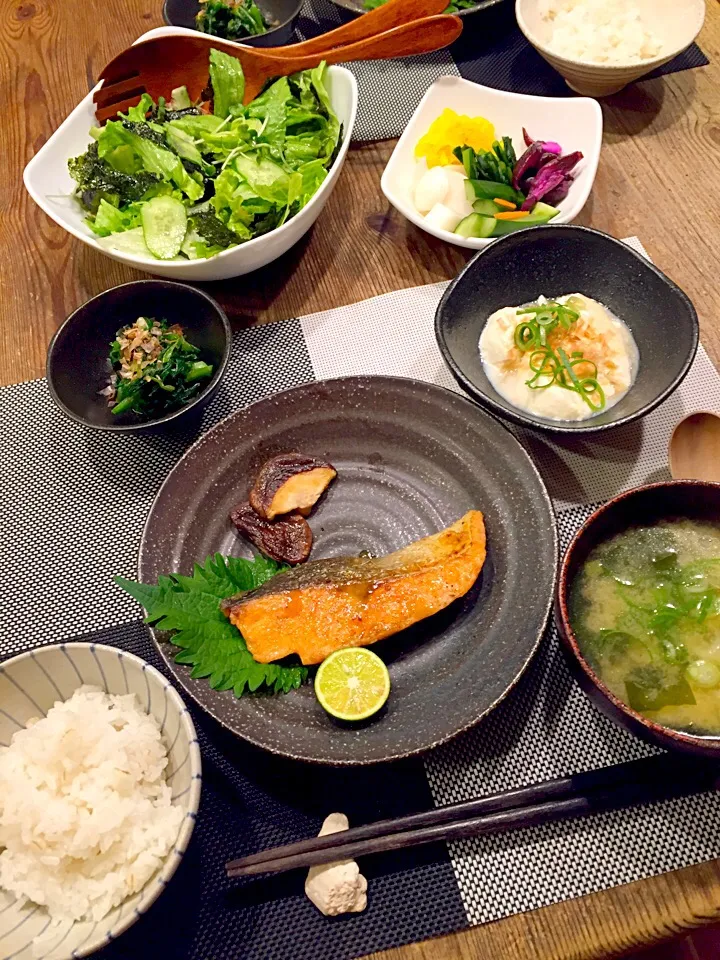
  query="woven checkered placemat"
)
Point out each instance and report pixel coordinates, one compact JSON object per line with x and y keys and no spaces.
{"x":72,"y":507}
{"x":491,"y":51}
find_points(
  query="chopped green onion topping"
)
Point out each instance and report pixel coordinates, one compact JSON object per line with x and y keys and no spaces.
{"x":554,"y":367}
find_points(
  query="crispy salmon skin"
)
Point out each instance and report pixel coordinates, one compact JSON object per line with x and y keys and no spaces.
{"x":325,"y":605}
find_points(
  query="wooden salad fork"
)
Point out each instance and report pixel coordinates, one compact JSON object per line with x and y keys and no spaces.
{"x":158,"y":65}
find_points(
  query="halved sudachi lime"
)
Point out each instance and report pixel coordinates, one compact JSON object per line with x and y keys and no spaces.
{"x":352,"y":684}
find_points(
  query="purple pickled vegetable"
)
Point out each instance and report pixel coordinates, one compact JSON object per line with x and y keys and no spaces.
{"x":548,"y":145}
{"x":550,"y":176}
{"x":534,"y":158}
{"x":528,"y":163}
{"x":546,"y":157}
{"x":560,"y":192}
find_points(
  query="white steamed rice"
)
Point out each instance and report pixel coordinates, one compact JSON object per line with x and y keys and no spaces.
{"x":85,"y":812}
{"x":599,"y":31}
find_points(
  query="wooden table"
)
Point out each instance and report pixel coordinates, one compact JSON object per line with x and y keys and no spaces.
{"x":657,"y":179}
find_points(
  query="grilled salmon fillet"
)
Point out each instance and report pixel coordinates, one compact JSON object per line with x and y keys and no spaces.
{"x":325,"y":605}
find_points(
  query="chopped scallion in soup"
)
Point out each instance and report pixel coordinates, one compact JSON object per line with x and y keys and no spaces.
{"x":645,"y":608}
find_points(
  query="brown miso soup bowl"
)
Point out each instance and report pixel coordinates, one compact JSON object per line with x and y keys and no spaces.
{"x":694,"y":499}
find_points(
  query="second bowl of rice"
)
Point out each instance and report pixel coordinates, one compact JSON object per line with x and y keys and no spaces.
{"x":599,"y":46}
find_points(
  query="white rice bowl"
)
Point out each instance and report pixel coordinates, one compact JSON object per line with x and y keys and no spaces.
{"x":600,"y":31}
{"x":85,"y":812}
{"x":97,"y":797}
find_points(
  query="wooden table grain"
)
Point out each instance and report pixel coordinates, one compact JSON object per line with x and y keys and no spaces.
{"x":657,"y":179}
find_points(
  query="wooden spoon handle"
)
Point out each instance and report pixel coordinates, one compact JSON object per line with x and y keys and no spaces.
{"x":389,"y":15}
{"x":419,"y":36}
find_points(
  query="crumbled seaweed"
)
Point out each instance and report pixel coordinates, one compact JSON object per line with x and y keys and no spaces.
{"x":175,"y":114}
{"x":145,"y":131}
{"x":97,"y":180}
{"x":212,"y":230}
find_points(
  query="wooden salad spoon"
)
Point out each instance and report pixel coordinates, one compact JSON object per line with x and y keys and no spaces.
{"x":694,"y":450}
{"x":391,"y":14}
{"x":158,"y":65}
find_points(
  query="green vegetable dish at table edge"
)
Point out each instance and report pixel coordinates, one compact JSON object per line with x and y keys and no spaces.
{"x":232,"y":19}
{"x":453,"y":7}
{"x":169,"y":180}
{"x":645,"y":609}
{"x":154,"y":369}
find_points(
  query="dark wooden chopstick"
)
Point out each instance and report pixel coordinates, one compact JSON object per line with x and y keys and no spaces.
{"x":522,"y":796}
{"x":610,"y":788}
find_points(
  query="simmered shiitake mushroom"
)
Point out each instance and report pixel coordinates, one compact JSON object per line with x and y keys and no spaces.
{"x":290,"y":482}
{"x":287,"y":540}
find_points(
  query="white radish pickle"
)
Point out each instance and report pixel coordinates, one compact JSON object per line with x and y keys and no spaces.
{"x":443,"y":218}
{"x":432,"y":188}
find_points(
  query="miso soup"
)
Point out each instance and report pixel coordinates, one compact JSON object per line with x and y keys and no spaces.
{"x":645,"y":608}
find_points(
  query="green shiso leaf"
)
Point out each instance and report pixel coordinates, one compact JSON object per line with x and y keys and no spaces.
{"x":189,"y":608}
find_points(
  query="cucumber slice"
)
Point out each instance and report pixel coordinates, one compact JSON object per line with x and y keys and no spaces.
{"x":545,"y":211}
{"x":486,"y":207}
{"x":164,"y":222}
{"x":542,"y":213}
{"x":475,"y":226}
{"x":489,"y":189}
{"x":128,"y":241}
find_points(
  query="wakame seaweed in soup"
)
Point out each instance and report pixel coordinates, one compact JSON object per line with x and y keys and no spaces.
{"x":645,"y":608}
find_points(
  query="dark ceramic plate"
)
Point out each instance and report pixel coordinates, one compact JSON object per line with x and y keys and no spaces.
{"x":281,"y":14}
{"x":357,"y":6}
{"x":558,"y":260}
{"x":411,"y":458}
{"x":77,"y":360}
{"x":696,"y":499}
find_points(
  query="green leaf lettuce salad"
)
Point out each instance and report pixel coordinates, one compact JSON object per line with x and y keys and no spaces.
{"x":224,"y":177}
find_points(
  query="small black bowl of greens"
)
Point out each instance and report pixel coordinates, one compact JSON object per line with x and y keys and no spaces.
{"x":258,"y":23}
{"x":139,"y":356}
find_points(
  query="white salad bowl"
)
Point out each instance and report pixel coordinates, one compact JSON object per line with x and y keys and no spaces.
{"x":676,"y":23}
{"x":30,"y":684}
{"x":575,"y":123}
{"x":50,"y":185}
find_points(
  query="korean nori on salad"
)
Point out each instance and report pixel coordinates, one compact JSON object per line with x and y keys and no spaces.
{"x":169,"y":179}
{"x":232,"y":19}
{"x":154,"y":368}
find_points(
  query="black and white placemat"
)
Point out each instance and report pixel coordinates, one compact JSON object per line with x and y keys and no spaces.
{"x":491,"y":51}
{"x":72,"y":506}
